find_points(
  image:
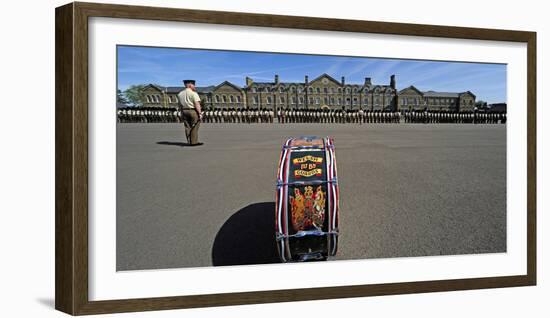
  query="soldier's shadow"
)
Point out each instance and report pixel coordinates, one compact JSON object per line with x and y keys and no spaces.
{"x":247,"y":237}
{"x":174,"y":143}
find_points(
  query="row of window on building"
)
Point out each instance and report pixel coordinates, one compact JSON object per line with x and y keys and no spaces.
{"x":317,"y":100}
{"x":151,"y":99}
{"x":433,"y":101}
{"x":312,"y":90}
{"x":232,"y":99}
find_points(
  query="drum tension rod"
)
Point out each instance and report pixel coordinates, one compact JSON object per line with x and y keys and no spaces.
{"x":305,"y":183}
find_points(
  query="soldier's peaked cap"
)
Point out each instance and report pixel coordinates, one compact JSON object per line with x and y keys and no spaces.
{"x":188,"y":81}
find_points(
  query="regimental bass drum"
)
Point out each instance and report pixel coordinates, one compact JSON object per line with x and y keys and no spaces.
{"x":306,"y":218}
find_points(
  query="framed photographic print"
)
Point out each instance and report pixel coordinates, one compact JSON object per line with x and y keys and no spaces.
{"x":211,"y":158}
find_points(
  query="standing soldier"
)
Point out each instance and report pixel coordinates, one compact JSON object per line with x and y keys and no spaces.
{"x":189,"y":103}
{"x":239,"y":116}
{"x":175,"y":116}
{"x":212,"y":115}
{"x":123,"y":115}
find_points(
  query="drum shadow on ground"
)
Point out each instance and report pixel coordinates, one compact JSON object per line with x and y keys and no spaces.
{"x":247,"y":237}
{"x":174,"y":143}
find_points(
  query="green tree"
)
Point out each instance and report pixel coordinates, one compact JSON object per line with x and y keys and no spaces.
{"x":481,"y":104}
{"x":135,"y":95}
{"x":120,"y":98}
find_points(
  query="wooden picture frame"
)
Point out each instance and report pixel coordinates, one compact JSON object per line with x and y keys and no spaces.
{"x":71,"y":107}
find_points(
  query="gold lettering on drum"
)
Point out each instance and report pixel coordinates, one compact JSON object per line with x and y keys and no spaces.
{"x":303,"y":173}
{"x":307,"y":158}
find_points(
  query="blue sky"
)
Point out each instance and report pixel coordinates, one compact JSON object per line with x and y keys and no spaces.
{"x":169,"y":66}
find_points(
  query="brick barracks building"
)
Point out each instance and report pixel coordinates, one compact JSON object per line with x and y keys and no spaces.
{"x":323,"y":92}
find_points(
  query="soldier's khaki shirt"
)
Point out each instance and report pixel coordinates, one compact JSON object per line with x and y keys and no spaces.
{"x":187,"y":98}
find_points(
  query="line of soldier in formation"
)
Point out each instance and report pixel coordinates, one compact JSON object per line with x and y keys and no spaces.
{"x":148,"y":115}
{"x":282,"y":116}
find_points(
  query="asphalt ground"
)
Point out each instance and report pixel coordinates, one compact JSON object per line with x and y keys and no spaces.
{"x":405,"y":190}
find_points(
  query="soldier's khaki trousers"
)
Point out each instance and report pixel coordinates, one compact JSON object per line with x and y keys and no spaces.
{"x":192,"y":123}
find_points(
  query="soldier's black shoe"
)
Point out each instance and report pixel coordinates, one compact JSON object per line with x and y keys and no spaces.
{"x":197,"y":144}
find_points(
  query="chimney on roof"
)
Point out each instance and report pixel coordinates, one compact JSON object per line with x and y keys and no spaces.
{"x":306,"y":80}
{"x":343,"y":81}
{"x":276,"y":79}
{"x":368,"y":81}
{"x":249,"y":81}
{"x":392,"y":81}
